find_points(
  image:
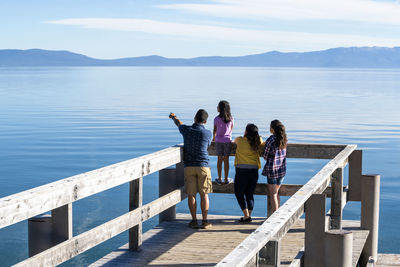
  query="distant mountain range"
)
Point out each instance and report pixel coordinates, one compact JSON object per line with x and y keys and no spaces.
{"x":352,"y":57}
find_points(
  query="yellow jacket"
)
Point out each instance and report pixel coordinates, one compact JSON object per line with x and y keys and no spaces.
{"x":244,"y":153}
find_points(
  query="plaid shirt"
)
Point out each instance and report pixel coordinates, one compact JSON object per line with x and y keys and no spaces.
{"x":275,"y":166}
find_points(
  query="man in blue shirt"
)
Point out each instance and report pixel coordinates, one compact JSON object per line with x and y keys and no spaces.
{"x":196,"y":139}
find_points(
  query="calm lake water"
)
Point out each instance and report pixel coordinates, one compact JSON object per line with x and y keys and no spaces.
{"x":59,"y":122}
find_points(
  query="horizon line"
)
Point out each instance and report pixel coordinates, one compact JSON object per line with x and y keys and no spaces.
{"x":155,"y":55}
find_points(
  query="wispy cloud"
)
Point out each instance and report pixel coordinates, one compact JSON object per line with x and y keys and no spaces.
{"x":382,"y":12}
{"x":267,"y":39}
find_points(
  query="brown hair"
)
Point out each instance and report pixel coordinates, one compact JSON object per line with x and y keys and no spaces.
{"x":280,"y":133}
{"x":224,"y":110}
{"x":252,"y":136}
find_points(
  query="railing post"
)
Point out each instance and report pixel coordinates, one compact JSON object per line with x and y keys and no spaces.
{"x":46,"y":231}
{"x":166,"y":184}
{"x":39,"y":234}
{"x":355,"y":170}
{"x":338,"y":248}
{"x":135,"y":201}
{"x":169,"y":180}
{"x":315,"y":227}
{"x":253,"y":262}
{"x":370,"y":190}
{"x":269,"y":206}
{"x":337,"y":199}
{"x":371,"y":262}
{"x":269,"y":255}
{"x":62,"y":223}
{"x":180,"y":175}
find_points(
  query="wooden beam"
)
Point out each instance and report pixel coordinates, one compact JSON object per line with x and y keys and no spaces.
{"x":298,"y":261}
{"x":313,"y":151}
{"x":344,"y":203}
{"x":338,"y":247}
{"x":355,"y":174}
{"x":135,"y":201}
{"x":306,"y":151}
{"x":286,"y":190}
{"x":270,"y":254}
{"x":24,"y":205}
{"x":370,"y":192}
{"x":62,"y":223}
{"x":167,"y":182}
{"x":315,"y":228}
{"x":280,"y":221}
{"x":337,"y":199}
{"x":78,"y":244}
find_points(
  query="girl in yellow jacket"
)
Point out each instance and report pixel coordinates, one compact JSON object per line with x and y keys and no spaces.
{"x":247,"y":163}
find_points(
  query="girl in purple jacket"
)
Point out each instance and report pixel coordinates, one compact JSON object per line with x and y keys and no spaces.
{"x":222,"y":135}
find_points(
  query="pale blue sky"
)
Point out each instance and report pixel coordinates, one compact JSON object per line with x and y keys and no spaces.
{"x":190,"y":28}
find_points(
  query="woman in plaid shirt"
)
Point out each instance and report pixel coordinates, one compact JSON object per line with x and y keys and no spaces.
{"x":275,"y":156}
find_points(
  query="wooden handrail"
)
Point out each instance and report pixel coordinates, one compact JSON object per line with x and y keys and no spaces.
{"x":29,"y":203}
{"x":286,"y":190}
{"x":304,"y":151}
{"x":78,"y":244}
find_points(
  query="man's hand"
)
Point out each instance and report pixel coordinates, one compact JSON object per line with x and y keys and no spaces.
{"x":175,"y":119}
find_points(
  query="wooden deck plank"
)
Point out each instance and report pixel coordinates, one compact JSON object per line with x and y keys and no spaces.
{"x":388,"y":260}
{"x":175,"y":244}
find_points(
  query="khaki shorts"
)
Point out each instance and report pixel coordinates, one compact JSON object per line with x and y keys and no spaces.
{"x":198,"y":180}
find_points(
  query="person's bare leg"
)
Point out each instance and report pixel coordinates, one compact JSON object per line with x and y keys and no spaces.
{"x":219,"y":167}
{"x":246,"y":214}
{"x":278,"y":196}
{"x":192,"y":206}
{"x":204,"y":204}
{"x":273,"y":193}
{"x":275,"y":204}
{"x":226,"y":167}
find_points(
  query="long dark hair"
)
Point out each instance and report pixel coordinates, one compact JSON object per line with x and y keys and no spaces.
{"x":224,"y":110}
{"x":252,"y":136}
{"x":280,"y":133}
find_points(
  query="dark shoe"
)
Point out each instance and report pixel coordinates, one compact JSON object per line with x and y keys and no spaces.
{"x":205,"y":224}
{"x":243,"y":220}
{"x":228,"y":181}
{"x":193,"y":224}
{"x":218,"y":181}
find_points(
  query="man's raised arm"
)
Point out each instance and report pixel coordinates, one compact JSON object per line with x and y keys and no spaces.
{"x":175,"y":119}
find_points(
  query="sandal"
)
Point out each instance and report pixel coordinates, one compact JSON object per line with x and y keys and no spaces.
{"x":218,"y":181}
{"x":205,"y":224}
{"x":193,"y":224}
{"x":228,"y":181}
{"x":243,"y":220}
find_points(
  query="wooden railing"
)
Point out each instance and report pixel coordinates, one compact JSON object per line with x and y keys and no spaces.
{"x":276,"y":226}
{"x":263,"y":243}
{"x":58,"y":197}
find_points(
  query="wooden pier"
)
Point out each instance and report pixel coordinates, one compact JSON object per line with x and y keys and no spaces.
{"x":323,"y":238}
{"x":172,"y":243}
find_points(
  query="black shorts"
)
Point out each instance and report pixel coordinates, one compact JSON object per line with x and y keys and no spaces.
{"x":224,"y":149}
